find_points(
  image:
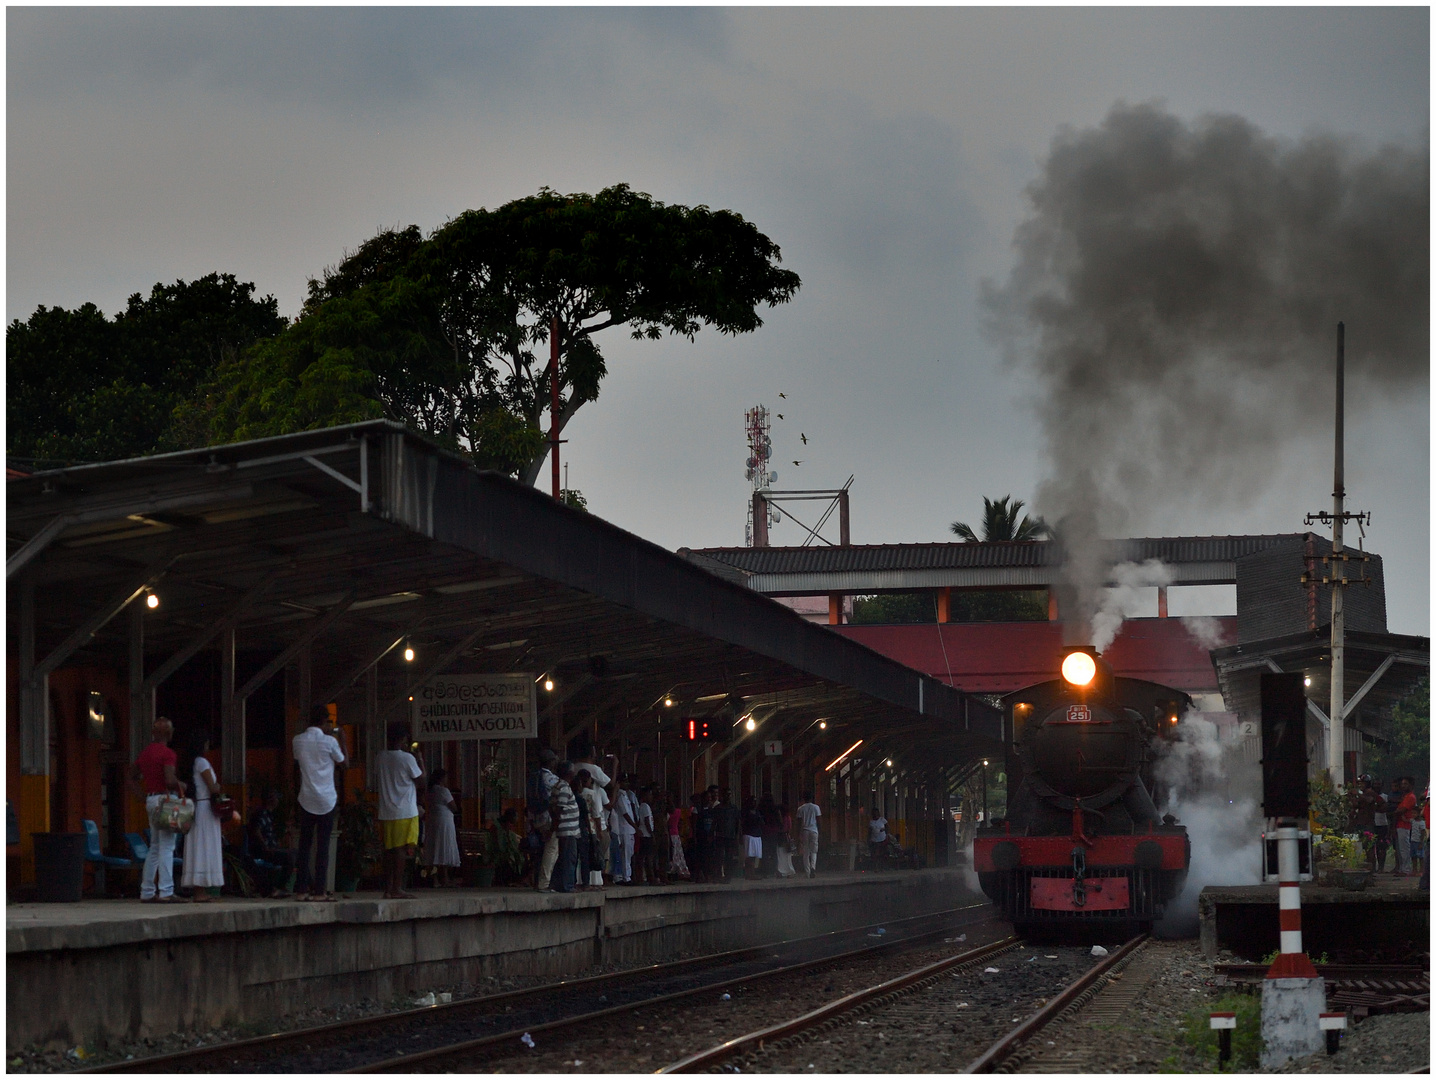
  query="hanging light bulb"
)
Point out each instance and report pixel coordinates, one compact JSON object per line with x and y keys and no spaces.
{"x":409,"y":653}
{"x":822,"y":725}
{"x":152,"y":601}
{"x":548,"y":684}
{"x":751,"y":725}
{"x":668,"y":702}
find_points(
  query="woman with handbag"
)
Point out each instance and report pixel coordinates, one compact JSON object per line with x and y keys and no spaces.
{"x":203,"y":854}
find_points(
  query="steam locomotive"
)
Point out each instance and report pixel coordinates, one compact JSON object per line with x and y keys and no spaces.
{"x":1082,"y":841}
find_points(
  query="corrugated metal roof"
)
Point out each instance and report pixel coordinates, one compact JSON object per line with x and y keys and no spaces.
{"x":945,"y":556}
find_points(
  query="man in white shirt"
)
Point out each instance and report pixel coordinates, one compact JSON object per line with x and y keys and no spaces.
{"x":623,"y":826}
{"x":806,"y":819}
{"x":396,"y":774}
{"x":317,"y":753}
{"x":877,"y":833}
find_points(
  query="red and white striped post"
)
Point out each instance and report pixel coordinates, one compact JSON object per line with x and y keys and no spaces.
{"x":1292,"y":961}
{"x":1293,"y":995}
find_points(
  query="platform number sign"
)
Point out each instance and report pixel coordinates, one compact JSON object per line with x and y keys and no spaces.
{"x":695,"y":730}
{"x":1079,"y":714}
{"x":773,"y":748}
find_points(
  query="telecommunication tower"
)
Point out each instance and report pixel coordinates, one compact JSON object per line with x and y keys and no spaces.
{"x":760,"y":451}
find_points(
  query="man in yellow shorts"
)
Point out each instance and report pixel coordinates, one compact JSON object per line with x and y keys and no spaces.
{"x":397,"y":773}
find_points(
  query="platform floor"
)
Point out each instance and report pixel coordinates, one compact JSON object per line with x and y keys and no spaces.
{"x":127,"y":970}
{"x":100,"y":923}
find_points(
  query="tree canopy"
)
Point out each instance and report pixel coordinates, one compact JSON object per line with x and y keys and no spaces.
{"x":447,"y":333}
{"x":1409,"y":753}
{"x":1000,"y":523}
{"x":83,"y":387}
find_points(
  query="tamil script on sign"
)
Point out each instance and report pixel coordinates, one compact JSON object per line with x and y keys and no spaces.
{"x":476,"y":707}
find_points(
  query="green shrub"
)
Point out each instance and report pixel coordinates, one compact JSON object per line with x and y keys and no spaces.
{"x":1246,"y":1039}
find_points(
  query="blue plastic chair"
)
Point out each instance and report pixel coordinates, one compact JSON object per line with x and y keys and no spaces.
{"x":140,"y":847}
{"x":101,"y":861}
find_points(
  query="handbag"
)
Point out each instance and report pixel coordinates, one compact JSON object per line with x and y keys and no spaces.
{"x":223,"y":807}
{"x":173,"y":814}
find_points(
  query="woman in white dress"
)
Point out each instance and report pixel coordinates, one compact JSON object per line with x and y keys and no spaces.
{"x":441,"y":843}
{"x":203,"y":847}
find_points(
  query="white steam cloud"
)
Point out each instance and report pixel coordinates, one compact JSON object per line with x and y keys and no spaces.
{"x":1217,"y":797}
{"x":1126,"y":598}
{"x":1207,"y":631}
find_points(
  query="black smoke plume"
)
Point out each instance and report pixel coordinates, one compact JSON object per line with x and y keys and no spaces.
{"x":1176,"y":290}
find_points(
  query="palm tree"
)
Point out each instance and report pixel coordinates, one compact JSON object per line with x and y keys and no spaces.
{"x":999,"y":522}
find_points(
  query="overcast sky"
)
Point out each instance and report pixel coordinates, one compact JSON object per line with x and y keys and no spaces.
{"x":886,"y":152}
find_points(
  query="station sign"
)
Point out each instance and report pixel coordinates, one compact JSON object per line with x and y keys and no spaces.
{"x":492,"y":706}
{"x":773,"y":748}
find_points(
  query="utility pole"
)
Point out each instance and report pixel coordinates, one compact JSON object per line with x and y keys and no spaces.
{"x":1336,"y":735}
{"x":1337,"y":577}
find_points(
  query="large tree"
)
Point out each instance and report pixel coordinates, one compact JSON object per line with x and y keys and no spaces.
{"x":82,"y":387}
{"x":449,"y":333}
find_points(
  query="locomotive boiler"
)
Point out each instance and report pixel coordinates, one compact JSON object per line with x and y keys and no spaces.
{"x":1082,"y":840}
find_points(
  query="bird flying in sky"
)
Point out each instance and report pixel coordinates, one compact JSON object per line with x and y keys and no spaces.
{"x":797,"y":463}
{"x":803,"y":437}
{"x":780,"y":416}
{"x":782,"y":395}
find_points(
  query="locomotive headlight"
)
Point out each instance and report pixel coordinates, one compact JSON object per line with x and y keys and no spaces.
{"x":1078,"y":668}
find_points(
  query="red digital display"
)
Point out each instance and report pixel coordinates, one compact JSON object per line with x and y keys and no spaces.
{"x":695,"y":730}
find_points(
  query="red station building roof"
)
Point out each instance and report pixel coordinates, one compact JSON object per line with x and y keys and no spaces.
{"x":996,"y":658}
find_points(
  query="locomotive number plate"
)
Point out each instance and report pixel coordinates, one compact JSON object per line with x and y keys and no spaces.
{"x":1079,"y":714}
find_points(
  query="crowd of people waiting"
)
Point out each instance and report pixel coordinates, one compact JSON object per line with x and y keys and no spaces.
{"x":588,"y":826}
{"x":589,"y":829}
{"x":1395,"y":823}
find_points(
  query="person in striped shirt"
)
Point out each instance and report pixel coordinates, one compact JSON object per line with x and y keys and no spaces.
{"x":564,"y":808}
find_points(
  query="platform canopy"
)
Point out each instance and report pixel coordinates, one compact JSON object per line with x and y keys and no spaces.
{"x":355,"y":541}
{"x":1381,"y":669}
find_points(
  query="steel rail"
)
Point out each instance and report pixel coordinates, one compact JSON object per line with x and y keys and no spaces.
{"x":406,"y":1062}
{"x":186,"y":1060}
{"x":707,"y":1058}
{"x":1004,"y":1047}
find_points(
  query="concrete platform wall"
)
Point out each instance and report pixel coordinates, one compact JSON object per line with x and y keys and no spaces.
{"x":124,"y":973}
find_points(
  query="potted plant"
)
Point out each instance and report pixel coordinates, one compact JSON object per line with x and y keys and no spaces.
{"x":358,"y":849}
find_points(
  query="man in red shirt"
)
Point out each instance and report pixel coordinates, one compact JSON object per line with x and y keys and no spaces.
{"x":1405,"y":809}
{"x":155,"y":769}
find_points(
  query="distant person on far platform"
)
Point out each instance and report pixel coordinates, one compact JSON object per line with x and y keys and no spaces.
{"x":806,"y":820}
{"x":751,"y":823}
{"x":441,"y":844}
{"x":563,"y":806}
{"x":622,"y":828}
{"x":204,"y":847}
{"x":677,"y":864}
{"x":877,"y":833}
{"x":1405,"y":811}
{"x":264,"y":845}
{"x":397,"y":772}
{"x":155,"y":769}
{"x":317,"y":753}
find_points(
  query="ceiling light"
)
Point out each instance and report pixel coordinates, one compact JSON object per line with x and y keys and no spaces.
{"x":668,"y":702}
{"x":890,"y":763}
{"x":548,"y":684}
{"x":1308,"y":678}
{"x":751,"y":725}
{"x":822,"y":725}
{"x":839,"y":759}
{"x":409,"y":653}
{"x":152,"y":601}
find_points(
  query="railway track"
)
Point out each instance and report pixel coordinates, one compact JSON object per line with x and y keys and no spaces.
{"x":493,"y":1025}
{"x":918,"y":1021}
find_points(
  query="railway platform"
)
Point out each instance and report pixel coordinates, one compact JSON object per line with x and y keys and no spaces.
{"x":1243,"y":918}
{"x":126,"y":970}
